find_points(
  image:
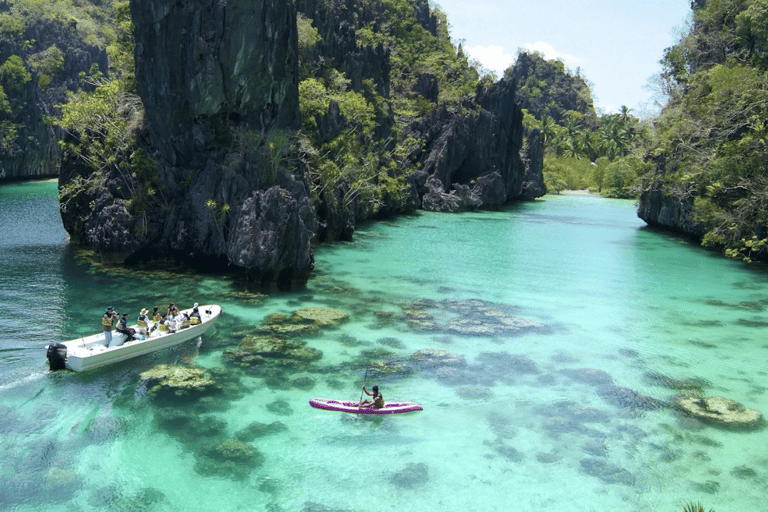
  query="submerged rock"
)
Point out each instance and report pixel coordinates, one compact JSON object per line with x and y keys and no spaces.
{"x":722,"y":412}
{"x":589,"y":376}
{"x":178,"y":380}
{"x":321,"y":316}
{"x":437,"y":358}
{"x":280,"y":407}
{"x":256,"y":430}
{"x":628,"y":398}
{"x":472,"y":317}
{"x":607,"y":472}
{"x":229,"y":458}
{"x":413,"y":475}
{"x":688,"y":386}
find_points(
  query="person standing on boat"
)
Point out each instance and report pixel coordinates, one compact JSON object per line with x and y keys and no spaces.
{"x":378,"y":400}
{"x":107,"y":321}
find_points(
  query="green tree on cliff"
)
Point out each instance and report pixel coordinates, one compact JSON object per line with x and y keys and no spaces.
{"x":710,"y":144}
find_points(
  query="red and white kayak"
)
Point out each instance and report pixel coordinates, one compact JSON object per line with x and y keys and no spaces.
{"x":353,"y":407}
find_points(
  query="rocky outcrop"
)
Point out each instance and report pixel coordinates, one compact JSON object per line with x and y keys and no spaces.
{"x":721,"y":412}
{"x":669,"y":211}
{"x":219,"y":84}
{"x":475,"y":159}
{"x":203,"y":64}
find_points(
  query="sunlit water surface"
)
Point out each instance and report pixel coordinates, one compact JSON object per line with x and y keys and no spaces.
{"x":568,"y":412}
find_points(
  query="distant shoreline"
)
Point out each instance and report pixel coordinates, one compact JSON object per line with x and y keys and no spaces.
{"x":583,"y":192}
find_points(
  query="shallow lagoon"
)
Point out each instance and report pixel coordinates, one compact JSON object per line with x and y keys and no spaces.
{"x":564,"y":407}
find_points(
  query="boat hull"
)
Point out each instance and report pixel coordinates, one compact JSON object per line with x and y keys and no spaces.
{"x":353,"y":407}
{"x":89,"y":352}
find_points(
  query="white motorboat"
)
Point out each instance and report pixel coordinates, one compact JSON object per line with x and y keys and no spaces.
{"x":90,"y":352}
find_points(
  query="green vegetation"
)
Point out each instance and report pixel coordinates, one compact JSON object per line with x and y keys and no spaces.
{"x":695,"y":507}
{"x":355,"y":137}
{"x":38,"y":65}
{"x":710,"y":144}
{"x":47,"y":64}
{"x":90,"y":19}
{"x":13,"y":79}
{"x":103,"y":124}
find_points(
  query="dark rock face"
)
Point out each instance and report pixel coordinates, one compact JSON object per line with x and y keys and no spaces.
{"x":203,"y":62}
{"x":215,"y":78}
{"x":281,"y":221}
{"x":668,"y":211}
{"x":218,"y":80}
{"x":475,"y":159}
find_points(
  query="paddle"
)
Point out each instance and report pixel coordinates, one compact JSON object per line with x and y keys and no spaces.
{"x":360,"y":403}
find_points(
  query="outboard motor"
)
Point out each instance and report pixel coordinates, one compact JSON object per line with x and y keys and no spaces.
{"x":57,"y":356}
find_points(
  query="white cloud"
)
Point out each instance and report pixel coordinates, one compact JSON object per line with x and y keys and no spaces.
{"x":492,"y":57}
{"x":550,"y":53}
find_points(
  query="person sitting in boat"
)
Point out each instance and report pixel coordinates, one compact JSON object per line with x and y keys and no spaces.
{"x":156,"y":316}
{"x":107,"y":321}
{"x":377,"y":402}
{"x":184,"y":321}
{"x":162,"y":326}
{"x":194,"y":317}
{"x":143,"y":322}
{"x":122,"y":328}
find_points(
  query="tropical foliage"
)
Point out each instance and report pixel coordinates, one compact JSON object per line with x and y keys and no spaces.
{"x":37,"y":66}
{"x":710,"y":143}
{"x":582,"y":150}
{"x":355,"y":138}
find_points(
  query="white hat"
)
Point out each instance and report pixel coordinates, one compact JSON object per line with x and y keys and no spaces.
{"x":195,"y":304}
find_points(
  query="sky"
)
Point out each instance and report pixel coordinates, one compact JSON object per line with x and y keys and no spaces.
{"x":615,"y":44}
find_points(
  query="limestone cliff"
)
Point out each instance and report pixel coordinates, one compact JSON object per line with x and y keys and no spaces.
{"x":474,"y":159}
{"x":34,"y":151}
{"x":219,"y":82}
{"x":216,"y":79}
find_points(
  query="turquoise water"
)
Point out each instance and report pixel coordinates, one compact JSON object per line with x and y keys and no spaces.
{"x":566,"y":411}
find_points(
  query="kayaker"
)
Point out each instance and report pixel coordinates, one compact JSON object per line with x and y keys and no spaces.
{"x":107,"y":320}
{"x":378,"y":400}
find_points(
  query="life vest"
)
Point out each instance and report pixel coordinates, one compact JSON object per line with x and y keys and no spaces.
{"x":142,"y":321}
{"x":156,"y":317}
{"x":162,"y":327}
{"x":107,"y":320}
{"x":194,"y":320}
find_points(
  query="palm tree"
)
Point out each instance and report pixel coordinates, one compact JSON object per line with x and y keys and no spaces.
{"x":624,"y":113}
